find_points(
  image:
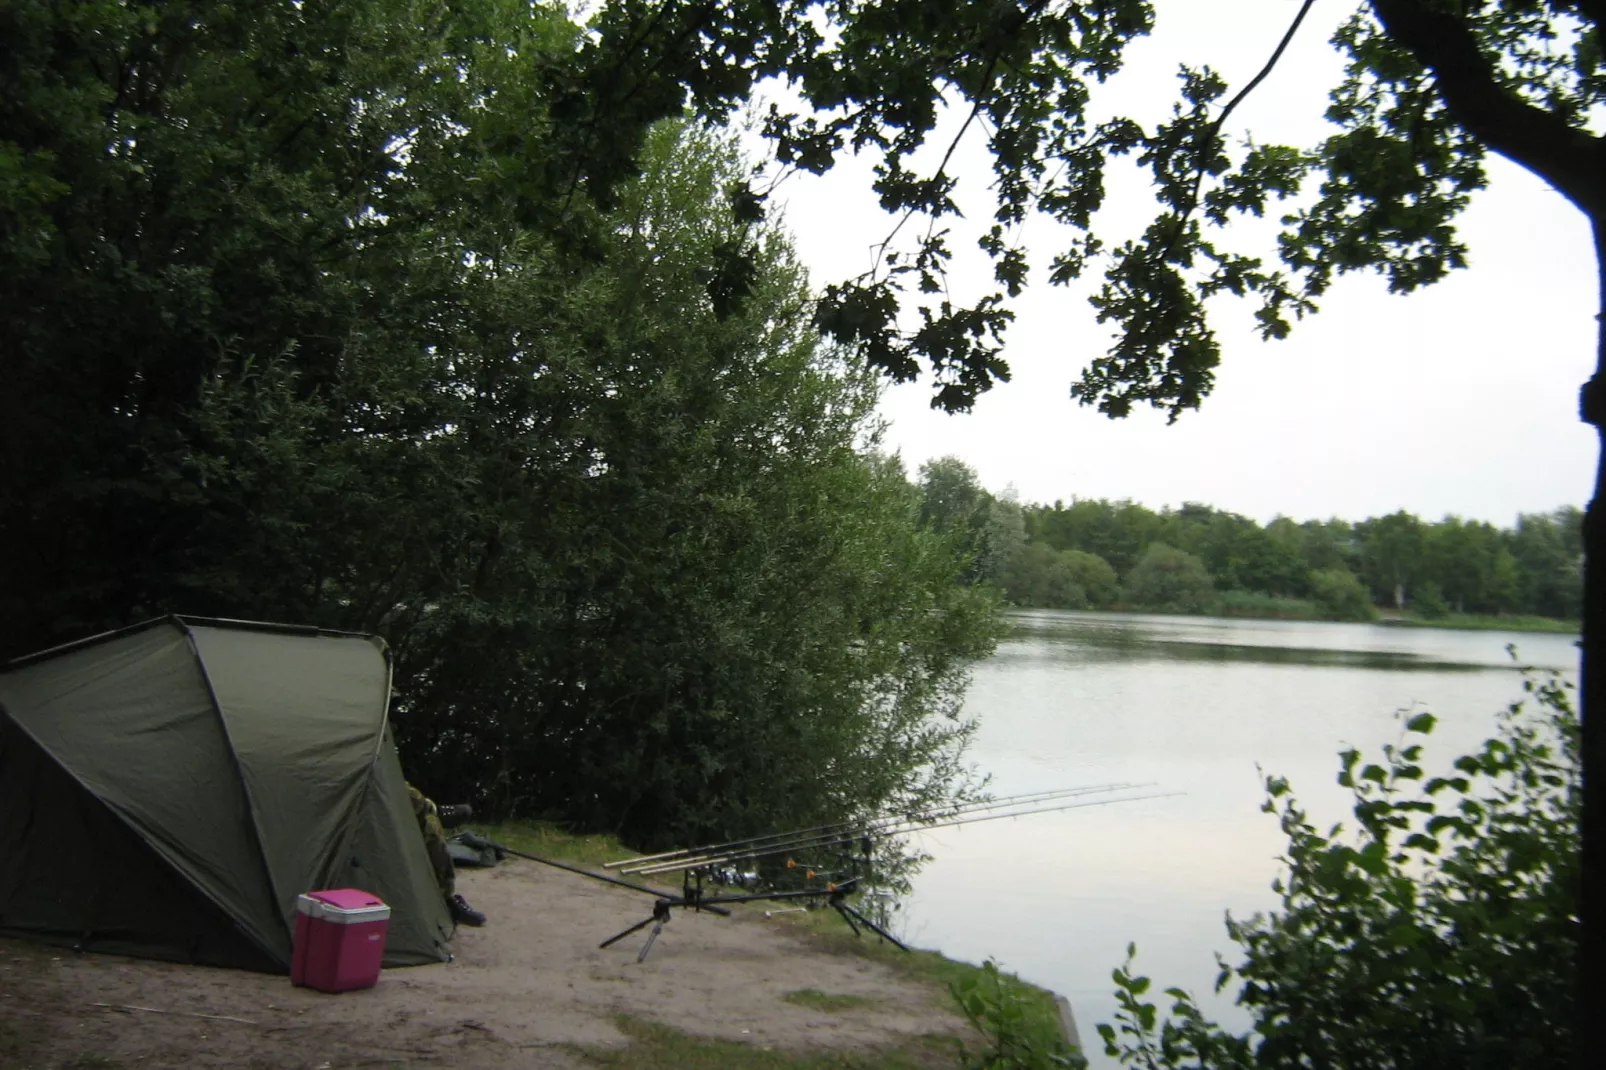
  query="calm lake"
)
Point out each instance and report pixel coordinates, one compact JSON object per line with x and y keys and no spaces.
{"x":1192,"y":705}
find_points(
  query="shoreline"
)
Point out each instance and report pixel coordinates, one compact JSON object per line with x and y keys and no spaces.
{"x":1454,"y":623}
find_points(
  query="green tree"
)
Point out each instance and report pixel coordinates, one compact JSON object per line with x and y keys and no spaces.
{"x":1118,"y":532}
{"x":952,"y":499}
{"x":1094,"y":575}
{"x":1042,"y":577}
{"x":1003,"y":539}
{"x":1331,"y":543}
{"x":1169,"y":579}
{"x":1547,"y":550}
{"x":1430,"y":88}
{"x":1470,"y":565}
{"x":1392,"y":549}
{"x":333,"y":335}
{"x":1341,"y":595}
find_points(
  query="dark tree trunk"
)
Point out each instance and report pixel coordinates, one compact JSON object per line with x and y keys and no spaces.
{"x":1591,"y":981}
{"x":1574,"y":162}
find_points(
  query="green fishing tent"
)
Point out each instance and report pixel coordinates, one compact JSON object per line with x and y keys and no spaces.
{"x":168,"y":790}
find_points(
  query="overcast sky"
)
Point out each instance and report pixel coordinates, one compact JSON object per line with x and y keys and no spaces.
{"x":1457,"y":399}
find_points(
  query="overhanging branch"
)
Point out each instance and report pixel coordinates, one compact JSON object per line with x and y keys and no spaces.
{"x":1569,"y":159}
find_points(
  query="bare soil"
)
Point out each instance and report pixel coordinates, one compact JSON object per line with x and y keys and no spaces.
{"x":530,"y":990}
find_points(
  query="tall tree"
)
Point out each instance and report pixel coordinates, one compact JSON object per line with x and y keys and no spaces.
{"x":1432,"y":86}
{"x":1393,"y":549}
{"x":310,"y":321}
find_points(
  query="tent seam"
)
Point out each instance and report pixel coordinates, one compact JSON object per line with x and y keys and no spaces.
{"x":234,"y":759}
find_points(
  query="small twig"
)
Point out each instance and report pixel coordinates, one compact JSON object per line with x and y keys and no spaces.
{"x":187,"y":1014}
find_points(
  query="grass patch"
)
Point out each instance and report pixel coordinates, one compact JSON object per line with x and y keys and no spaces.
{"x":546,"y":839}
{"x":826,"y":931}
{"x":656,"y":1047}
{"x":90,"y":1062}
{"x":814,"y":999}
{"x":1475,"y":622}
{"x":1235,"y":603}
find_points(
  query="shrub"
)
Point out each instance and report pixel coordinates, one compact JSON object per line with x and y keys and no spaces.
{"x":1094,"y":575}
{"x":1341,"y":595}
{"x":1169,"y":579}
{"x":1040,"y":576}
{"x":1442,"y":932}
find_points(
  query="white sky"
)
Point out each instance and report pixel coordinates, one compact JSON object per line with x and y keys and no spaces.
{"x":1457,"y":399}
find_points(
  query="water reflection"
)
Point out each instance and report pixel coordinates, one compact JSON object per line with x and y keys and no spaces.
{"x":1132,"y":637}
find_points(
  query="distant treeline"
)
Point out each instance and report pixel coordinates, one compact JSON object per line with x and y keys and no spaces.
{"x":1097,"y":554}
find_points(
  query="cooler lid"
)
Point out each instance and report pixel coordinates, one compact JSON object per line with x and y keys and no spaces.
{"x":343,"y":906}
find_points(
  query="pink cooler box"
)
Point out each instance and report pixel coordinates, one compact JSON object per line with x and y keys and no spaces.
{"x":340,"y":940}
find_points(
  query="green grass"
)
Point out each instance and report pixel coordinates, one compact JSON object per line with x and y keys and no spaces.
{"x":1477,"y":622}
{"x":1252,"y":606}
{"x":826,"y":931}
{"x":548,"y":840}
{"x":814,"y":999}
{"x":90,"y":1062}
{"x":658,"y":1047}
{"x":1265,"y":606}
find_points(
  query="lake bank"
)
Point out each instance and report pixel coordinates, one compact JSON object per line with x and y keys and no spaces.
{"x":1293,"y":609}
{"x":529,"y":990}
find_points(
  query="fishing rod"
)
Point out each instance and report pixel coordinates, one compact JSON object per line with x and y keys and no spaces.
{"x":884,"y":831}
{"x":889,"y":825}
{"x":942,"y":810}
{"x":673,"y":898}
{"x":872,"y":829}
{"x":780,"y":841}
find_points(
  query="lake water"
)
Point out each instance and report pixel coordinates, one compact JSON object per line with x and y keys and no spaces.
{"x":1192,"y":705}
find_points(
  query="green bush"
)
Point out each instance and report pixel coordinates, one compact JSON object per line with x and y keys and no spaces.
{"x":1166,"y":578}
{"x":1428,"y":603}
{"x":1441,"y":932}
{"x":1040,"y":577}
{"x":1094,"y":575}
{"x":1017,"y":1038}
{"x":1341,"y":595}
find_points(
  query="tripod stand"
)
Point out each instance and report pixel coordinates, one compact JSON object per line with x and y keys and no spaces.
{"x":660,"y":914}
{"x":834,"y":895}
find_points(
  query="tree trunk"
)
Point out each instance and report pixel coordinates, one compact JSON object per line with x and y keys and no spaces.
{"x":1591,"y":980}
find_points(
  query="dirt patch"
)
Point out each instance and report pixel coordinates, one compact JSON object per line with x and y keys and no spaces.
{"x":530,"y":990}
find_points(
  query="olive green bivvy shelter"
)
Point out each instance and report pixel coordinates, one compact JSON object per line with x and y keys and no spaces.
{"x":169,"y":789}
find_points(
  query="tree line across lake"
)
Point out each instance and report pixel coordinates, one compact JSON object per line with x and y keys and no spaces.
{"x":1100,"y":554}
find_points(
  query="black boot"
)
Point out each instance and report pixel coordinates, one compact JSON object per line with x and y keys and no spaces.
{"x":464,"y":914}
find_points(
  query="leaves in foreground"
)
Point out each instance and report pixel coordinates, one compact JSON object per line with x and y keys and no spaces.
{"x":1441,"y":931}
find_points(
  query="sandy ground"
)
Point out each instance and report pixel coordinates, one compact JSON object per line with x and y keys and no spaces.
{"x":526,"y":991}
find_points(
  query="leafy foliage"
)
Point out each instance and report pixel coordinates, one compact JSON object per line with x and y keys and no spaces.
{"x":1342,"y":595}
{"x":1017,"y":1039}
{"x":1442,"y":931}
{"x":1168,"y":578}
{"x":1429,"y":89}
{"x":1344,"y":568}
{"x":340,"y":314}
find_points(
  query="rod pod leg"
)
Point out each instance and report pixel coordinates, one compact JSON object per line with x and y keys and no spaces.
{"x":849,"y":912}
{"x":660,"y":914}
{"x":652,"y":936}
